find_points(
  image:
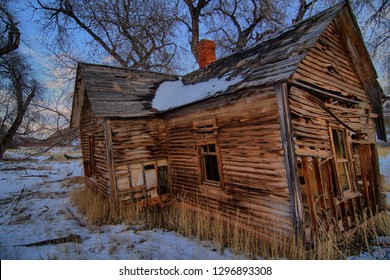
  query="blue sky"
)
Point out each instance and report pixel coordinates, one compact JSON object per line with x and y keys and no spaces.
{"x":32,"y":37}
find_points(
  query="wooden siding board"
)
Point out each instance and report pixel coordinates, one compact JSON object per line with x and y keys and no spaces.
{"x":255,"y":183}
{"x":289,"y":155}
{"x":312,"y":117}
{"x":136,"y":141}
{"x":92,"y":125}
{"x":110,"y":160}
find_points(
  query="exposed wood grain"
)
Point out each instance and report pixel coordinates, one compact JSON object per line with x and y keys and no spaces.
{"x":267,"y":136}
{"x":91,"y":125}
{"x":254,"y":174}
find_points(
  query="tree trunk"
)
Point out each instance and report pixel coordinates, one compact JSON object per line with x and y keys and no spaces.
{"x":13,"y":32}
{"x":22,"y":108}
{"x":195,"y":12}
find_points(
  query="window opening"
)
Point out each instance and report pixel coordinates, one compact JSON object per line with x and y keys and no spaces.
{"x":341,"y":156}
{"x":90,"y":164}
{"x":206,"y":140}
{"x":163,"y":181}
{"x":209,"y":160}
{"x":149,"y":179}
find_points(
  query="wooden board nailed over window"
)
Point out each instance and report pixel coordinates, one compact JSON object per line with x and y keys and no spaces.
{"x":149,"y":179}
{"x":205,"y":131}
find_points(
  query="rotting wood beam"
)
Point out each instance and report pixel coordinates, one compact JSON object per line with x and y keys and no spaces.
{"x":327,"y":165}
{"x":370,"y":178}
{"x":320,"y":187}
{"x":110,"y":160}
{"x":289,"y":155}
{"x":323,"y":93}
{"x":310,"y":196}
{"x":376,"y":174}
{"x":363,"y":163}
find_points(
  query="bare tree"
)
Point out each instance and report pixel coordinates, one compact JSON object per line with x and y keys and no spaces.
{"x":374,"y":19}
{"x":239,"y":23}
{"x":9,"y":32}
{"x":304,"y":6}
{"x":136,"y":34}
{"x":233,"y":24}
{"x":142,"y":34}
{"x":17,"y":92}
{"x":192,"y":22}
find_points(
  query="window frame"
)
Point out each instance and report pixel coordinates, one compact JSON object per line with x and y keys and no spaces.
{"x":206,"y":134}
{"x":90,"y":168}
{"x":342,"y":158}
{"x":205,"y":168}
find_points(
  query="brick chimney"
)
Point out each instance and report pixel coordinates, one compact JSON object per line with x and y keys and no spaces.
{"x":206,"y":52}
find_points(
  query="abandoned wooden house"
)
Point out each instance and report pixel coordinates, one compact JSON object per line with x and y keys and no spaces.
{"x":281,"y":136}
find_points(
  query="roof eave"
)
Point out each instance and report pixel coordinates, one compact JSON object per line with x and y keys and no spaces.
{"x":77,"y":103}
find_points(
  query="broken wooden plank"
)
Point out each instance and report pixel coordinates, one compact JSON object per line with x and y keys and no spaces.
{"x":67,"y":239}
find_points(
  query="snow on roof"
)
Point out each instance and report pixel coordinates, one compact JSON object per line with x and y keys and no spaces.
{"x":173,"y":94}
{"x":126,"y":92}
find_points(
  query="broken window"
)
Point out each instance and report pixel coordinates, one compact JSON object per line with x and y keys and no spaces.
{"x":150,"y":175}
{"x":206,"y":132}
{"x":163,"y":180}
{"x":340,"y":150}
{"x":209,"y":163}
{"x":149,"y":179}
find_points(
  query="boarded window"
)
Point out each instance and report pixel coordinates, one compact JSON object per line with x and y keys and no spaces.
{"x":137,"y":175}
{"x":151,"y":176}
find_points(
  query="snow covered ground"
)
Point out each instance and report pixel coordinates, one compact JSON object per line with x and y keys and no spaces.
{"x":35,"y":206}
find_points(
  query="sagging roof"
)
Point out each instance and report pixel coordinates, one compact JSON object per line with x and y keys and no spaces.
{"x":125,"y":92}
{"x":115,"y":91}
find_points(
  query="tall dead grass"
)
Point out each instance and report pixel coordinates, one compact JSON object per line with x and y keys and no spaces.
{"x":240,"y":238}
{"x":101,"y":211}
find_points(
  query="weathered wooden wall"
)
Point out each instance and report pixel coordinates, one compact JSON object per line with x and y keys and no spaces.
{"x":254,"y":179}
{"x":327,"y":94}
{"x":136,"y":143}
{"x":90,"y":125}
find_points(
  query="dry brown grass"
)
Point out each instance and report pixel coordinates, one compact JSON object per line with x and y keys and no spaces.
{"x":195,"y":223}
{"x":101,"y":211}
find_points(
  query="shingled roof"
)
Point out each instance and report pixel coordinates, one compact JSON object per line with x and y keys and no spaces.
{"x":270,"y":61}
{"x":273,"y":59}
{"x":124,"y":92}
{"x":115,"y":91}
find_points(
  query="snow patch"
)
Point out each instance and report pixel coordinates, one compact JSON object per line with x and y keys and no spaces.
{"x":173,"y":94}
{"x":35,"y":206}
{"x":43,"y":210}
